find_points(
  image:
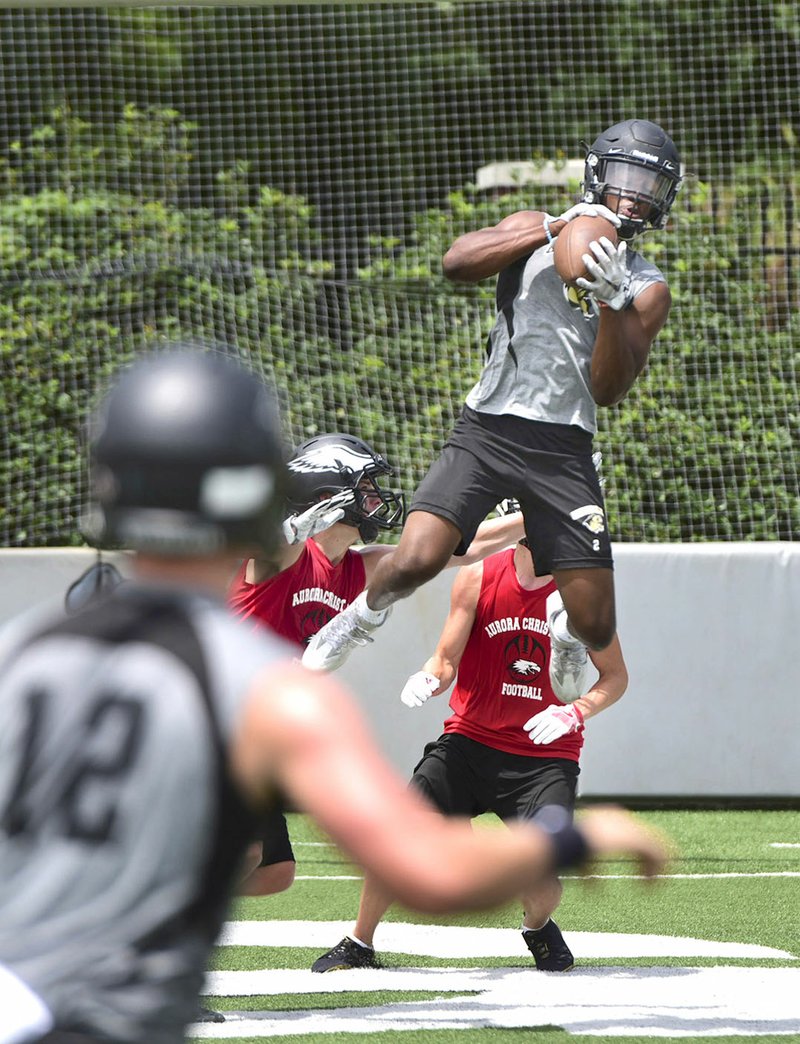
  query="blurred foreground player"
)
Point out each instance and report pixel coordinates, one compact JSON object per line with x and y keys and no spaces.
{"x":140,"y":737}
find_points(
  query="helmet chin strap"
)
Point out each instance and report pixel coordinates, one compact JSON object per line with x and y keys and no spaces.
{"x":368,"y":530}
{"x":628,"y":230}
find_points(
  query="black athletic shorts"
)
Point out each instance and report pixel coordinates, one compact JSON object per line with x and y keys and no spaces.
{"x":462,"y":777}
{"x":273,"y":833}
{"x":547,"y":467}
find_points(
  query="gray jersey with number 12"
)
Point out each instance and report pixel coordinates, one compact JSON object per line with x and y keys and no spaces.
{"x":120,"y":830}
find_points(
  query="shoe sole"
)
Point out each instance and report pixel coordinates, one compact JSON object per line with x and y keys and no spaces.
{"x":345,"y":967}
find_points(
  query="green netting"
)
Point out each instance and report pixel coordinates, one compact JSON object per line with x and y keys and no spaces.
{"x":287,"y":178}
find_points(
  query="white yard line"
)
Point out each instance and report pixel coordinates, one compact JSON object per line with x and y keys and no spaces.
{"x":645,"y":1003}
{"x":448,"y":941}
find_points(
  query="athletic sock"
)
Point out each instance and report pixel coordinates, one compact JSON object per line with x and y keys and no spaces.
{"x":371,"y":616}
{"x":525,"y":927}
{"x":559,"y":629}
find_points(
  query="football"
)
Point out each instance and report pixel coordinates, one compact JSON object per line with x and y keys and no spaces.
{"x":572,"y":242}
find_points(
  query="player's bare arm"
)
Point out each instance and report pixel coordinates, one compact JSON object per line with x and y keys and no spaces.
{"x":495,"y":534}
{"x":456,"y":630}
{"x":611,"y":683}
{"x":261,"y":569}
{"x":556,"y":720}
{"x":439,"y":670}
{"x":296,"y":529}
{"x":304,"y":732}
{"x":623,"y":343}
{"x":487,"y":251}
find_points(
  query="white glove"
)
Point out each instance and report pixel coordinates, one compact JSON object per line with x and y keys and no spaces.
{"x":419,"y":688}
{"x":318,"y":518}
{"x":509,"y":506}
{"x":554,"y":722}
{"x":611,"y":282}
{"x":589,"y":210}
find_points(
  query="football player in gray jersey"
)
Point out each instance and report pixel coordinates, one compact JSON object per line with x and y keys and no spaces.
{"x":555,"y":353}
{"x":141,"y":736}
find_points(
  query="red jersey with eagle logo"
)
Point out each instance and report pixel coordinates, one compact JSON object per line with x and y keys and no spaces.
{"x":299,"y":601}
{"x":503,"y":678}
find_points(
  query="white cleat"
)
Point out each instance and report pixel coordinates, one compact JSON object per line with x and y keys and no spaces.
{"x":331,"y":645}
{"x":570,"y":667}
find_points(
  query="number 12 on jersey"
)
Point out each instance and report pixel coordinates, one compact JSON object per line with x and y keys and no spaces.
{"x":78,"y":799}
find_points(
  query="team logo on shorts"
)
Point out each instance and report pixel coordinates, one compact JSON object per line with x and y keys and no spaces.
{"x":591,"y":516}
{"x":525,"y":658}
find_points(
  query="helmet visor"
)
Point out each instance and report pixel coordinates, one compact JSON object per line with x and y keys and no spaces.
{"x":635,"y":181}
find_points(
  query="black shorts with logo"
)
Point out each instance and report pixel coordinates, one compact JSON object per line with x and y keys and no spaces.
{"x":547,"y":467}
{"x":462,"y":777}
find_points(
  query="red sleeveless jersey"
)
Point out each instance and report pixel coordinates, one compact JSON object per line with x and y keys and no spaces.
{"x":300,"y":600}
{"x":503,"y":677}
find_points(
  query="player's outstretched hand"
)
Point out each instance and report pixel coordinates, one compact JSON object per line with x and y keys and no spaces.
{"x":610,"y":282}
{"x":590,"y":210}
{"x":611,"y":831}
{"x":554,"y":722}
{"x":419,"y":688}
{"x":318,"y":518}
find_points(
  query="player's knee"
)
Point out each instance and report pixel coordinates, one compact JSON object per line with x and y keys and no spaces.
{"x":596,"y":629}
{"x":598,"y":634}
{"x":268,"y":880}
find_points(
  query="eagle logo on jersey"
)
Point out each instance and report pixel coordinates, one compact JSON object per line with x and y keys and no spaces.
{"x":591,"y":516}
{"x":525,"y":667}
{"x":525,"y":657}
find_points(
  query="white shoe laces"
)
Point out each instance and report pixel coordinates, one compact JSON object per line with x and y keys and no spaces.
{"x":347,"y":629}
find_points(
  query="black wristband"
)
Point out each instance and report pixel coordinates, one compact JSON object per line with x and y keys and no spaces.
{"x":570,"y":847}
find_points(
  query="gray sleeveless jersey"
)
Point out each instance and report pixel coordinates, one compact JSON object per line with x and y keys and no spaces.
{"x":120,"y":831}
{"x":540,"y":347}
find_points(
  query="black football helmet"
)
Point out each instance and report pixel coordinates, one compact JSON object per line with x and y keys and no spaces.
{"x":186,"y":458}
{"x":330,"y":463}
{"x":638,"y":160}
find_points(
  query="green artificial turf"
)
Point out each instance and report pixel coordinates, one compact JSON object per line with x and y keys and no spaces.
{"x":727,"y":907}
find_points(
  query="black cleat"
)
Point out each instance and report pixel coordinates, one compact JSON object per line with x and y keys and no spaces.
{"x":549,"y":950}
{"x":207,"y":1015}
{"x":346,"y":954}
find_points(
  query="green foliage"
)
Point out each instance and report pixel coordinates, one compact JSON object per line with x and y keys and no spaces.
{"x":93,"y":275}
{"x":705,"y":445}
{"x":167,"y":172}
